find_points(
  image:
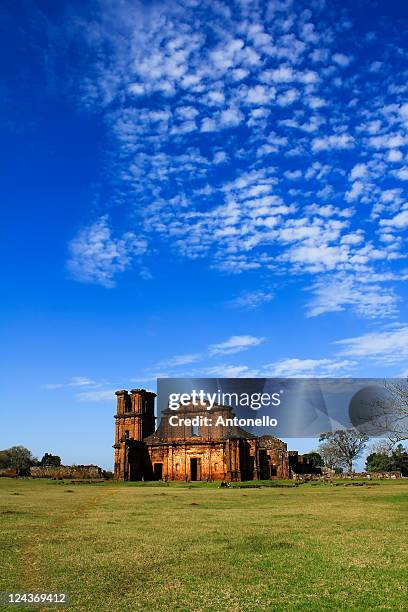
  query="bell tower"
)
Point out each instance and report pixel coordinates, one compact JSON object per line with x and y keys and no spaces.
{"x":135,"y":421}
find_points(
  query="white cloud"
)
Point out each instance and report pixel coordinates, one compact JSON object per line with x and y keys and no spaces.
{"x":367,"y":299}
{"x":227,"y":55}
{"x":215,"y":97}
{"x":235,"y":344}
{"x":402,"y":173}
{"x":239,"y":73}
{"x":224,"y":95}
{"x":208,"y":125}
{"x":317,"y":257}
{"x":376,"y":66}
{"x":230,"y":117}
{"x":250,"y":300}
{"x":387,"y":347}
{"x":357,"y":189}
{"x":399,"y":221}
{"x":319,"y":55}
{"x":353,"y":238}
{"x":179,"y":360}
{"x":184,"y":128}
{"x":341,"y":59}
{"x":286,"y":74}
{"x":288,"y":97}
{"x":51,"y":386}
{"x":232,"y":371}
{"x":332,"y":141}
{"x":404,"y":110}
{"x":220,"y":157}
{"x":299,"y":368}
{"x":99,"y":395}
{"x":75,"y":381}
{"x":187,"y":112}
{"x":287,"y":368}
{"x":293,"y":175}
{"x":387,"y":141}
{"x":258,"y":95}
{"x":394,"y":155}
{"x":359,"y":171}
{"x":96,"y":256}
{"x":315,"y":102}
{"x":80,"y":381}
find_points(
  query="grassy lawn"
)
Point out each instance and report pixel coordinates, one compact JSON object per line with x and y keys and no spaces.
{"x":119,"y":547}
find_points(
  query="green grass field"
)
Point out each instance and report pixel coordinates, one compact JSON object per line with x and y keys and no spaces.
{"x":178,"y":547}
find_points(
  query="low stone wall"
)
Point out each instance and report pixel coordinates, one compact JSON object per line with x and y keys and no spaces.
{"x":348,"y":476}
{"x":8,"y":472}
{"x":76,"y":472}
{"x":381,"y":475}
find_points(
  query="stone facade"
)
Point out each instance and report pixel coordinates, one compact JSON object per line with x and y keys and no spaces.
{"x":191,"y":452}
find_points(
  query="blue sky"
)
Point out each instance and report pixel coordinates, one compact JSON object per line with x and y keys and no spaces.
{"x":196,"y":188}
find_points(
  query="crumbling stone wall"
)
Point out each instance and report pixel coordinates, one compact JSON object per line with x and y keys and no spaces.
{"x":301,"y":465}
{"x":272,"y":458}
{"x":383,"y":475}
{"x":374,"y":475}
{"x":330,"y":475}
{"x":77,"y":472}
{"x":8,"y":472}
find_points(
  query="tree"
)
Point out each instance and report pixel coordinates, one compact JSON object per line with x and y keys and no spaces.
{"x":344,"y":444}
{"x":382,"y":447}
{"x":4,"y":459}
{"x":21,"y":459}
{"x":399,"y":459}
{"x":386,"y":459}
{"x":378,"y":462}
{"x":332,"y":459}
{"x":389,"y":412}
{"x":315,"y":459}
{"x":50,"y":460}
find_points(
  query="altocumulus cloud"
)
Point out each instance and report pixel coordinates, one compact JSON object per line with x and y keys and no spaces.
{"x":249,"y":300}
{"x":96,"y":255}
{"x":299,"y":368}
{"x":387,"y":346}
{"x":235,"y":344}
{"x":268,"y":132}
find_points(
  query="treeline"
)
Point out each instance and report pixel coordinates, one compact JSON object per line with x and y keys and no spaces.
{"x":386,"y":459}
{"x":338,"y":450}
{"x":21,"y":459}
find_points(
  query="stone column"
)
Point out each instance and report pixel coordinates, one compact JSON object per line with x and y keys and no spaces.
{"x":137,"y":414}
{"x":121,"y":397}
